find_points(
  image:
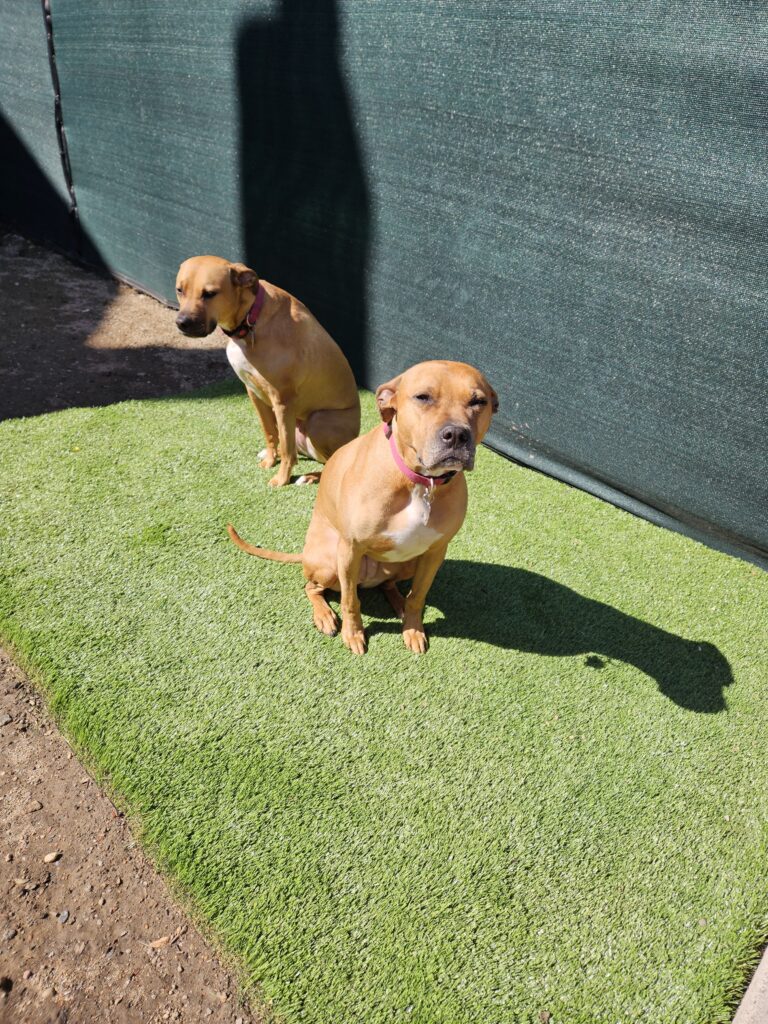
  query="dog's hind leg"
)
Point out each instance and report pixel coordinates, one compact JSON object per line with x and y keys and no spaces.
{"x":395,"y":598}
{"x":327,"y":430}
{"x":323,"y":616}
{"x":305,"y":447}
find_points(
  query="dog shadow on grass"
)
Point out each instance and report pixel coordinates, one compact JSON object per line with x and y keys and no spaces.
{"x":524,"y":611}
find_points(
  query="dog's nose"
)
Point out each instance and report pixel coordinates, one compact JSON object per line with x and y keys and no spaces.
{"x":455,"y":435}
{"x":190,"y":326}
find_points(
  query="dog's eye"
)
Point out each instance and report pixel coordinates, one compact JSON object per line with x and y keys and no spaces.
{"x":477,"y":402}
{"x":179,"y":289}
{"x":423,"y":398}
{"x":208,"y":294}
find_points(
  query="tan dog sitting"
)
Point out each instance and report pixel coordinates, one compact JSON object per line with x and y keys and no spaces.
{"x":390,"y":501}
{"x":296,"y":376}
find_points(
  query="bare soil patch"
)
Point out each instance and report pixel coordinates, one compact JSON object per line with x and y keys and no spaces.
{"x":89,"y":931}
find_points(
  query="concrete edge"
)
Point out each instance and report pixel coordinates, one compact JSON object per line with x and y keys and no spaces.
{"x":753,"y":1008}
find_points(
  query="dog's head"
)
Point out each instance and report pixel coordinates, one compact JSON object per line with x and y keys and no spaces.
{"x":213,"y":291}
{"x":442,"y":412}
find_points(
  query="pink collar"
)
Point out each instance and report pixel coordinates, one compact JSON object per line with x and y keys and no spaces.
{"x":250,"y":317}
{"x":415,"y":478}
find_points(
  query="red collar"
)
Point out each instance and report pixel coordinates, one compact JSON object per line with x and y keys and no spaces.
{"x":416,"y":478}
{"x":250,"y":317}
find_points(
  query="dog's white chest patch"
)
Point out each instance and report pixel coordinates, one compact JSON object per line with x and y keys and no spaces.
{"x":238,"y":360}
{"x":411,"y":534}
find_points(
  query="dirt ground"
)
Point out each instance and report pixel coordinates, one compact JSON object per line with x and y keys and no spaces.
{"x":88,"y":930}
{"x":71,"y":337}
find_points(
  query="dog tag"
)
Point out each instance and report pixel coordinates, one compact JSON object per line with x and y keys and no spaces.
{"x":427,"y":498}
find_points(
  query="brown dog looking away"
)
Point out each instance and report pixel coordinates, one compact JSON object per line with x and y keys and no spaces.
{"x":390,"y":501}
{"x":296,"y":376}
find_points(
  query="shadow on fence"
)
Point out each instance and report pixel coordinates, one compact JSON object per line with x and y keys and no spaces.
{"x":305,"y":201}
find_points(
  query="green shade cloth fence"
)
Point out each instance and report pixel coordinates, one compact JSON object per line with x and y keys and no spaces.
{"x":570,"y":195}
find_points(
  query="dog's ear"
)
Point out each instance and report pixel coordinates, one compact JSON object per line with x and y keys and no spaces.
{"x":484,"y":419}
{"x":386,"y":399}
{"x":242,"y":276}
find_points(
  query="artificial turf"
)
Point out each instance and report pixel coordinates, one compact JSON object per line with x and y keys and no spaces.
{"x":562,"y":808}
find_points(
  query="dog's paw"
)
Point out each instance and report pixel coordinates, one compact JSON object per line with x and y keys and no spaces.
{"x":355,"y":640}
{"x":278,"y":481}
{"x":262,"y":454}
{"x":308,"y":478}
{"x":267,"y":459}
{"x":415,"y":640}
{"x":327,"y":621}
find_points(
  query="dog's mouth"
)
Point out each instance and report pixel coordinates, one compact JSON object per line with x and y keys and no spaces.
{"x":450,"y":461}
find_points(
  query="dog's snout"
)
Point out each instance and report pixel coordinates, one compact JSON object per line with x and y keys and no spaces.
{"x":455,"y":435}
{"x":191,"y":325}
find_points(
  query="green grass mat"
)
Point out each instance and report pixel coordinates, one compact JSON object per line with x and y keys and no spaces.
{"x":561,"y":808}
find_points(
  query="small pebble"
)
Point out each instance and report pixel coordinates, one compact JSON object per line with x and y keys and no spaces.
{"x":63,"y":917}
{"x":34,"y":805}
{"x":9,"y":858}
{"x":27,"y":975}
{"x":50,"y":858}
{"x":5,"y":719}
{"x":10,"y":934}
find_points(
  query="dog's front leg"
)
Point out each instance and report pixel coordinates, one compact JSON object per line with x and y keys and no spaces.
{"x":269,"y":426}
{"x":413,"y":625}
{"x":286,"y":432}
{"x":349,"y":556}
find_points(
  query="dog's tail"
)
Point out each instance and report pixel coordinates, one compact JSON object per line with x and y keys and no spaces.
{"x":273,"y":556}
